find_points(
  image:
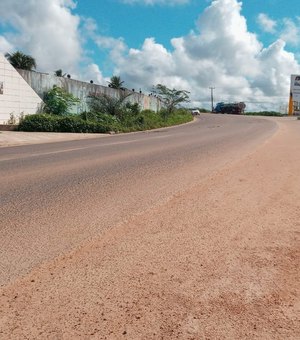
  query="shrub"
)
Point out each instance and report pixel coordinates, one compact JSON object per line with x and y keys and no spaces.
{"x":171,"y":98}
{"x":202,"y":109}
{"x":58,"y":101}
{"x":114,"y":106}
{"x":49,"y":123}
{"x":265,"y":113}
{"x":102,"y":123}
{"x":38,"y":123}
{"x":102,"y":118}
{"x":148,"y":120}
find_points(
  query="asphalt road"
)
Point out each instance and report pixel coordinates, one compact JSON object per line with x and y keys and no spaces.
{"x":56,"y":197}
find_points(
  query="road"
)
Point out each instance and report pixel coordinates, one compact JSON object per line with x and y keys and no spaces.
{"x":148,"y":229}
{"x":55,"y":196}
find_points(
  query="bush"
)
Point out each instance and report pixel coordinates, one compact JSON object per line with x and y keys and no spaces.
{"x":49,"y":123}
{"x":101,"y":118}
{"x":148,"y":120}
{"x":202,"y":109}
{"x":101,"y":123}
{"x":114,"y":106}
{"x":58,"y":101}
{"x":265,"y":113}
{"x":38,"y":123}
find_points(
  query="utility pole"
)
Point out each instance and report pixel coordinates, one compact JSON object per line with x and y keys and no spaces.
{"x":212,"y":97}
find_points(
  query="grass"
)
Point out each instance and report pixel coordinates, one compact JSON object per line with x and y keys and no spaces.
{"x":103,"y":123}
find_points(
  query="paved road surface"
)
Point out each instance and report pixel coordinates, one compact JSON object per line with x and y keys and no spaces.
{"x":185,"y":233}
{"x":54,"y":196}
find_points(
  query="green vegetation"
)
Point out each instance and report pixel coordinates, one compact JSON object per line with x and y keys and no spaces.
{"x":103,"y":123}
{"x":202,"y":109}
{"x":171,"y":97}
{"x":105,"y":114}
{"x":58,"y":101}
{"x":21,"y":61}
{"x":59,"y":73}
{"x":265,"y":113}
{"x":125,"y":116}
{"x":108,"y":105}
{"x":116,"y":83}
{"x":147,"y":120}
{"x":54,"y":123}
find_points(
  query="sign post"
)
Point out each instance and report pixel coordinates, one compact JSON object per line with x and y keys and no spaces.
{"x":294,"y":103}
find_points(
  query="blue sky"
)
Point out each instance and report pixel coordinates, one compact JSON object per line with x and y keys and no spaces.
{"x":135,"y":22}
{"x":246,"y":49}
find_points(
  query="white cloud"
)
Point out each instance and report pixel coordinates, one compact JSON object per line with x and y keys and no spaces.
{"x":93,"y":72}
{"x":153,"y":60}
{"x":5,"y":45}
{"x":225,"y":55}
{"x":45,"y":29}
{"x":291,"y":32}
{"x":219,"y":52}
{"x":266,"y":23}
{"x":115,"y":46}
{"x":276,"y":67}
{"x":156,"y":2}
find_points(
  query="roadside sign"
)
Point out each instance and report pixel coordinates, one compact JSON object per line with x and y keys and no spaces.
{"x":294,"y":105}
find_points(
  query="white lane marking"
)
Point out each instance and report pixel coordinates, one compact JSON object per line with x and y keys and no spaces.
{"x":82,"y":148}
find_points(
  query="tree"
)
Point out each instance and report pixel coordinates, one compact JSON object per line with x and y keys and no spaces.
{"x":58,"y":101}
{"x":21,"y":61}
{"x":102,"y":103}
{"x":116,"y":83}
{"x":171,"y":98}
{"x":59,"y":73}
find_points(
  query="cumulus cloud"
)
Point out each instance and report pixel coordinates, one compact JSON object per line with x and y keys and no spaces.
{"x":152,"y":61}
{"x":93,"y":72}
{"x":266,"y":23}
{"x":156,"y":2}
{"x":225,"y":55}
{"x":46,"y":29}
{"x":291,"y":32}
{"x":116,"y":46}
{"x":220,"y":51}
{"x":5,"y":45}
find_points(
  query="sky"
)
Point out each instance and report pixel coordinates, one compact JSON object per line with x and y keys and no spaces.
{"x":246,"y":50}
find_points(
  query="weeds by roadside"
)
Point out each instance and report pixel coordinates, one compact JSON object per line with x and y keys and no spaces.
{"x":103,"y":123}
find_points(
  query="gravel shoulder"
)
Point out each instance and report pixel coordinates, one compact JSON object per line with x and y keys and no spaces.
{"x":217,"y":261}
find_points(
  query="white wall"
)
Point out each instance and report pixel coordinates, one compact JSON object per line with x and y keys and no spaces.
{"x":16,"y":96}
{"x":43,"y":82}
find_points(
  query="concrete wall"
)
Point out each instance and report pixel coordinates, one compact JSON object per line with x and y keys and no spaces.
{"x":43,"y":82}
{"x":17,"y":98}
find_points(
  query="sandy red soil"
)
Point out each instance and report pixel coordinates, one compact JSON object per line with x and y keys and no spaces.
{"x":218,"y":261}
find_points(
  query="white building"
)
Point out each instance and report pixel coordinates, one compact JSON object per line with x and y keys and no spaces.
{"x":17,"y":98}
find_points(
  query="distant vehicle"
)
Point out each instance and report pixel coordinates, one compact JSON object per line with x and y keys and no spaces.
{"x":230,"y":108}
{"x":195,"y":112}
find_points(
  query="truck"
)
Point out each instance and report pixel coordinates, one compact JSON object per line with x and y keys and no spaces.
{"x":231,"y":108}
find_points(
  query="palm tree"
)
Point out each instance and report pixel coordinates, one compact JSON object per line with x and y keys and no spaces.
{"x":115,"y":82}
{"x":21,"y":60}
{"x":59,"y":73}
